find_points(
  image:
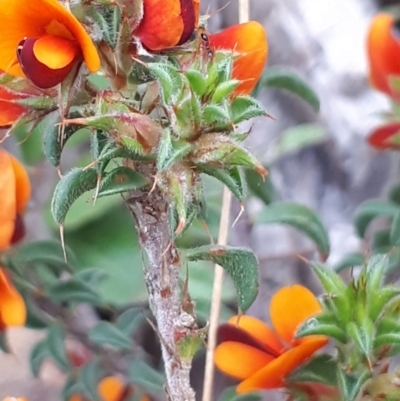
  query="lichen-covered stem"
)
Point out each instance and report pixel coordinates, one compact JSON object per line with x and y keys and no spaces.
{"x":162,"y":279}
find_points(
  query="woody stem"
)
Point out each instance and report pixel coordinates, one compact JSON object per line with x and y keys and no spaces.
{"x":161,"y":273}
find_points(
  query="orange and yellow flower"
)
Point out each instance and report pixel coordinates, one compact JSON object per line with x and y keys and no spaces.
{"x":42,"y":40}
{"x":166,"y":23}
{"x":248,"y":42}
{"x":112,"y":388}
{"x":383,"y":48}
{"x":262,"y":357}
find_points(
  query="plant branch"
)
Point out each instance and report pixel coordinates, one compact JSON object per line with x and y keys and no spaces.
{"x":161,"y":273}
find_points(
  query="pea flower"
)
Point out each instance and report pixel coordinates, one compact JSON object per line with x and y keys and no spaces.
{"x":386,"y":137}
{"x":262,"y":357}
{"x":9,"y":110}
{"x":248,"y":42}
{"x":166,"y":23}
{"x":383,"y":48}
{"x":14,"y":195}
{"x":112,"y":388}
{"x":42,"y":40}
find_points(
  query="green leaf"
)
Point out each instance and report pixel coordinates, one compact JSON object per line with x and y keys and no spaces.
{"x":371,"y":209}
{"x":216,"y":115}
{"x":36,"y":318}
{"x":105,"y":333}
{"x":108,"y":19}
{"x":232,"y":178}
{"x":187,"y":117}
{"x":323,"y":324}
{"x":169,"y":79}
{"x":363,"y":335}
{"x":73,"y":290}
{"x":321,"y":369}
{"x":55,"y":343}
{"x":89,"y":378}
{"x":280,"y":78}
{"x":299,"y":216}
{"x":55,"y":136}
{"x":388,"y":333}
{"x":230,"y":394}
{"x":350,"y":260}
{"x":240,"y":264}
{"x":375,"y":271}
{"x":69,"y":189}
{"x":380,"y":300}
{"x":38,"y":354}
{"x":146,"y":377}
{"x":261,"y":188}
{"x":171,"y":151}
{"x":350,"y":385}
{"x":395,"y":230}
{"x":295,"y":139}
{"x":121,"y":179}
{"x":244,"y":108}
{"x":91,"y":276}
{"x":130,"y":320}
{"x":71,"y":387}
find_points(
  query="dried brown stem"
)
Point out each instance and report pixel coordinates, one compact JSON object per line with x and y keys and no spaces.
{"x":162,"y":279}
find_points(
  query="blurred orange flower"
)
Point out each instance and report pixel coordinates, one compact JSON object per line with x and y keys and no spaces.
{"x":42,"y":40}
{"x":112,"y":388}
{"x":262,"y":357}
{"x":10,"y":111}
{"x":383,"y":48}
{"x":15,"y":399}
{"x":248,"y":42}
{"x":15,"y":190}
{"x":166,"y":23}
{"x":386,"y":137}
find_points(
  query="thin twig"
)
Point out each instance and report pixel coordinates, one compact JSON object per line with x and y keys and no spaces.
{"x":216,"y":299}
{"x":219,"y":273}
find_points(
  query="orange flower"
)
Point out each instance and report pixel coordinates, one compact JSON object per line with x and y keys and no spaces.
{"x":248,"y":42}
{"x":15,"y":191}
{"x":261,"y":357}
{"x":10,"y":111}
{"x":166,"y":23}
{"x":112,"y":388}
{"x":12,"y":305}
{"x":15,"y":399}
{"x":383,"y":47}
{"x":42,"y":40}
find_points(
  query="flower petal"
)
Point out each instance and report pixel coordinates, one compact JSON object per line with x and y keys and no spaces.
{"x":33,"y":19}
{"x":386,"y":137}
{"x":240,"y":360}
{"x":111,"y":388}
{"x":8,"y":204}
{"x":383,"y":47}
{"x":249,"y":42}
{"x":12,"y":305}
{"x":273,"y":374}
{"x":166,"y":23}
{"x":23,"y":185}
{"x":40,"y":74}
{"x":259,"y":330}
{"x":9,"y":111}
{"x":55,"y":52}
{"x":290,"y":307}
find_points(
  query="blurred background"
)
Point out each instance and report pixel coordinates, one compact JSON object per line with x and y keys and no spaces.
{"x":318,"y":159}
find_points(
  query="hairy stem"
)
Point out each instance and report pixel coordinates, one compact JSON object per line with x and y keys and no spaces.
{"x":174,"y":324}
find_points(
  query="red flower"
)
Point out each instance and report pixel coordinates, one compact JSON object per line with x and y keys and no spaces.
{"x":248,"y":42}
{"x":42,"y":40}
{"x":9,"y":110}
{"x":383,"y":47}
{"x":261,"y":357}
{"x":166,"y":23}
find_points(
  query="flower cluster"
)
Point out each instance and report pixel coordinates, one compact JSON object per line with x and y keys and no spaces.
{"x":261,"y":357}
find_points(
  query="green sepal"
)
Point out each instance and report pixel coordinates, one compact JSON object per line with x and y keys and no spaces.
{"x":187,"y":113}
{"x":326,"y":324}
{"x":108,"y":18}
{"x":196,"y":81}
{"x":239,"y":263}
{"x":119,"y":180}
{"x":232,"y":178}
{"x":188,"y":346}
{"x":387,"y":333}
{"x":217,"y":116}
{"x":71,"y":186}
{"x":224,"y":89}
